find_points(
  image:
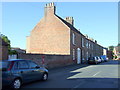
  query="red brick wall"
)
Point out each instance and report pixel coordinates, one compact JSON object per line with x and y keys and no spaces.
{"x":51,"y":61}
{"x":3,"y":53}
{"x":49,"y":36}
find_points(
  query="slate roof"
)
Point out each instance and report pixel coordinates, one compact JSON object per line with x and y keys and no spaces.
{"x":73,"y":28}
{"x":69,"y":25}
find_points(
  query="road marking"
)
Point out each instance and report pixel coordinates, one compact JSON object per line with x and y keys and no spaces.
{"x":78,"y":86}
{"x":96,"y":73}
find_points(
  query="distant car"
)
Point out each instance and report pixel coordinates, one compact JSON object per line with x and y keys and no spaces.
{"x":16,"y":72}
{"x":93,"y":60}
{"x":105,"y":58}
{"x":98,"y":58}
{"x":102,"y":59}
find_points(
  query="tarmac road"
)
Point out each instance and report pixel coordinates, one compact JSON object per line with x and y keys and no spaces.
{"x":103,"y":75}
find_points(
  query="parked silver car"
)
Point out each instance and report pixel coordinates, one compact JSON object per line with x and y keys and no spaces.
{"x":102,"y":59}
{"x":98,"y":58}
{"x":93,"y":60}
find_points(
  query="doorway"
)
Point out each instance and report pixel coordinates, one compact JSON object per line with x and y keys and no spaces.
{"x":78,"y":56}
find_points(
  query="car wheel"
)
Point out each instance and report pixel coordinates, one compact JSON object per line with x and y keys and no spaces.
{"x":16,"y":84}
{"x":45,"y":77}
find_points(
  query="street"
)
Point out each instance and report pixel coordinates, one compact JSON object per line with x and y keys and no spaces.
{"x":103,"y":75}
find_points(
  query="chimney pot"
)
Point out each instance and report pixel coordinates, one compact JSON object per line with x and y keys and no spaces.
{"x":50,"y":8}
{"x":70,"y":20}
{"x":52,"y":4}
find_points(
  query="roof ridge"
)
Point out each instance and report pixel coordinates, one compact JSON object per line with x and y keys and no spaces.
{"x":68,"y":24}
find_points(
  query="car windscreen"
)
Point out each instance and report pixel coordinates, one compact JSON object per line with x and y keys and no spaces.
{"x":97,"y":58}
{"x":4,"y":65}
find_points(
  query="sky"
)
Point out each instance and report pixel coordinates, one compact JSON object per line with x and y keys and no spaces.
{"x":99,"y":20}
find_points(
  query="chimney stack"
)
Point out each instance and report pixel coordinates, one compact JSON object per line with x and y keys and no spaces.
{"x":70,"y":20}
{"x":49,"y":9}
{"x":95,"y":41}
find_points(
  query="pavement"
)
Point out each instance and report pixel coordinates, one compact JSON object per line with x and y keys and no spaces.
{"x":103,"y":75}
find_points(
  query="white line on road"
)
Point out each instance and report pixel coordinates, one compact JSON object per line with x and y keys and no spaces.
{"x":96,"y":73}
{"x":81,"y":83}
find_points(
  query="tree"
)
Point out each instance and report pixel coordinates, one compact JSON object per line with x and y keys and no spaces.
{"x":12,"y":52}
{"x":5,"y":38}
{"x":115,"y":57}
{"x":111,"y":48}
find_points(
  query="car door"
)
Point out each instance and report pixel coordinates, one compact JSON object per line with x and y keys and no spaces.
{"x":35,"y":70}
{"x":24,"y":71}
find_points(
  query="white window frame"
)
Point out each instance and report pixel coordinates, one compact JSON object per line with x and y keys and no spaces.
{"x":87,"y":43}
{"x":87,"y":55}
{"x":82,"y":42}
{"x":83,"y":53}
{"x":73,"y":54}
{"x":73,"y":39}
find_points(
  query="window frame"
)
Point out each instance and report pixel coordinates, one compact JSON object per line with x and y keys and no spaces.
{"x":86,"y":43}
{"x":73,"y":39}
{"x":82,"y":42}
{"x":73,"y":54}
{"x":25,"y":62}
{"x":15,"y":63}
{"x":87,"y":55}
{"x":30,"y":65}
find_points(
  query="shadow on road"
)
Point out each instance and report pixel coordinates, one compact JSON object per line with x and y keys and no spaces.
{"x":58,"y":78}
{"x":74,"y":67}
{"x":97,"y":82}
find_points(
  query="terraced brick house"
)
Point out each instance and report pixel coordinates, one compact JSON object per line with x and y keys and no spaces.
{"x":57,"y":36}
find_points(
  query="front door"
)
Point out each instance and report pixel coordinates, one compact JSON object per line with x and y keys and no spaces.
{"x":78,"y":56}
